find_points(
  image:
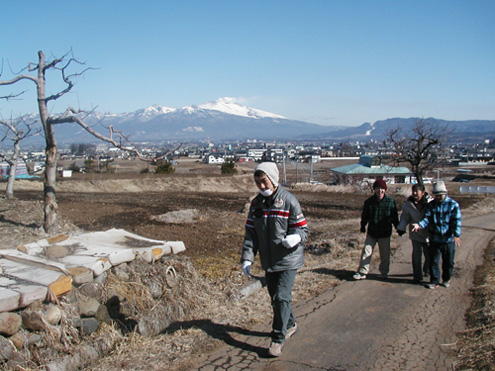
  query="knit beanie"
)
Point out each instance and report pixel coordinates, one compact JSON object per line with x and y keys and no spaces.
{"x":271,"y":171}
{"x":380,"y":183}
{"x":439,"y":188}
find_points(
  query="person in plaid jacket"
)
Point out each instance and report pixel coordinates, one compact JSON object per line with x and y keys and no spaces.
{"x":443,"y":220}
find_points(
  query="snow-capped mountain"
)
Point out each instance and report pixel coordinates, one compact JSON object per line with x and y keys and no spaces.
{"x":226,"y":119}
{"x":150,"y":112}
{"x":229,"y":106}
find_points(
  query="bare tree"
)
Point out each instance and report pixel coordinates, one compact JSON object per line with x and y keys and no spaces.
{"x":420,"y":147}
{"x":16,"y":131}
{"x":48,"y":122}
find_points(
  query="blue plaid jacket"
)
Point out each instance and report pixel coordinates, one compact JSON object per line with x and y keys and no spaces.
{"x":443,"y":220}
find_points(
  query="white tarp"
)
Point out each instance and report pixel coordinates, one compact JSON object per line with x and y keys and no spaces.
{"x":50,"y":266}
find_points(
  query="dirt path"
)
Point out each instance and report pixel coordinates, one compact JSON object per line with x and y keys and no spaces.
{"x":371,"y":324}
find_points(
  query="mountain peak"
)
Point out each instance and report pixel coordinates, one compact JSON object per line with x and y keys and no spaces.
{"x":232,"y":107}
{"x":153,"y":110}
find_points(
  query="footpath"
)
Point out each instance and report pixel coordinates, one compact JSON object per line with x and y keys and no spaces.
{"x":371,"y":324}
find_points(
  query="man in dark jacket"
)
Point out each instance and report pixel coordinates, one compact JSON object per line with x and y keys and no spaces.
{"x":379,"y":213}
{"x":277,"y":229}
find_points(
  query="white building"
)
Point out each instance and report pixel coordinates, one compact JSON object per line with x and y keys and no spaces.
{"x":255,"y":153}
{"x":214,"y":159}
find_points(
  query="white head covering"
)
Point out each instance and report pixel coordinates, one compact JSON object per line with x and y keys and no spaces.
{"x":439,"y":188}
{"x":271,"y":171}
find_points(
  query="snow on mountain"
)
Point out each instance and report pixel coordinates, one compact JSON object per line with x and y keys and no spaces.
{"x":152,"y":111}
{"x":226,"y":119}
{"x":368,"y":132}
{"x":189,"y":109}
{"x":231,"y":107}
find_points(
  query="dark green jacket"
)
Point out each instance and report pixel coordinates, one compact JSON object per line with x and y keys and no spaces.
{"x":379,"y":215}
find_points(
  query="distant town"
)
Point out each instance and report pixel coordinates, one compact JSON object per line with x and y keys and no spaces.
{"x":100,"y":156}
{"x":211,"y":153}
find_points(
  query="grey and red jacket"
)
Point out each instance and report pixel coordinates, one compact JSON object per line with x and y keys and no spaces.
{"x":269,"y":220}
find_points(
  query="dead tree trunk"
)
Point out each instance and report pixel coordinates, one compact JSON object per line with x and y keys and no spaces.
{"x":50,"y":222}
{"x":9,"y":193}
{"x":18,"y":134}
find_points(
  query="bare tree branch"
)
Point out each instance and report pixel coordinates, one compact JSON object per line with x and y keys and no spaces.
{"x":19,"y":133}
{"x":19,"y":78}
{"x":115,"y":137}
{"x":69,"y":116}
{"x":419,"y":149}
{"x":12,"y":96}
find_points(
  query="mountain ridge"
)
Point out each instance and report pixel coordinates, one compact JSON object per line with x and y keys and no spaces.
{"x":225,"y":119}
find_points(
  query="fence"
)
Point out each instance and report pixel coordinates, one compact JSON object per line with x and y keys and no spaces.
{"x":476,"y":189}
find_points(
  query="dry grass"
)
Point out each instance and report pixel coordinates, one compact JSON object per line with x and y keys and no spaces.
{"x":217,"y":310}
{"x":476,"y":347}
{"x":477,"y":343}
{"x":198,"y":312}
{"x":195,"y":313}
{"x":328,"y":259}
{"x":486,"y":206}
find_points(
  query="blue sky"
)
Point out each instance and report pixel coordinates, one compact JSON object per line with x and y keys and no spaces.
{"x":325,"y":62}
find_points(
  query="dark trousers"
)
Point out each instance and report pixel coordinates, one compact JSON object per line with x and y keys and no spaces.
{"x":280,"y":286}
{"x":420,"y":249}
{"x":447,"y":252}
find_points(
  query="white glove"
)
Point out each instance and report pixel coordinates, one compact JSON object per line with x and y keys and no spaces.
{"x":246,"y":268}
{"x":291,"y":240}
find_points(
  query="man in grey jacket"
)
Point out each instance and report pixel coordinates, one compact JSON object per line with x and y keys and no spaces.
{"x":412,"y":212}
{"x":276,"y":229}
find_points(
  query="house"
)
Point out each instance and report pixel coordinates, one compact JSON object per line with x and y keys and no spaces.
{"x":245,"y":159}
{"x":273,"y":155}
{"x":256,"y":153}
{"x":214,"y":159}
{"x":368,"y":170}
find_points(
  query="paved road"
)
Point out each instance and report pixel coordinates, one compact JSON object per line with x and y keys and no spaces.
{"x":371,"y":324}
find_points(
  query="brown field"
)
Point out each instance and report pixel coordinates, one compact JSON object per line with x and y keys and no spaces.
{"x":212,"y":229}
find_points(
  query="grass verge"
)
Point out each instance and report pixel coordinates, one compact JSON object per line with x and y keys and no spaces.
{"x":476,"y":348}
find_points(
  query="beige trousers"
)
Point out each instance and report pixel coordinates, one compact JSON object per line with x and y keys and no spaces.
{"x":369,"y":246}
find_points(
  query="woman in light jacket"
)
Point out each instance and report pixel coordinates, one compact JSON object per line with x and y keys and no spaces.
{"x":412,"y":212}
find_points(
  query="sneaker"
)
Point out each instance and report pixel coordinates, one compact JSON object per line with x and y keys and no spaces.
{"x":291,"y":331}
{"x":359,"y":276}
{"x":446,"y":283}
{"x":275,"y":349}
{"x":431,"y":286}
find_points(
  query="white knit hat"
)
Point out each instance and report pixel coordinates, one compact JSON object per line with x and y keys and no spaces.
{"x":271,"y":171}
{"x":439,"y":188}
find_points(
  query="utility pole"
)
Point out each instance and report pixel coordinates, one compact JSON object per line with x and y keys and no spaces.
{"x":283,"y":164}
{"x":311,"y":171}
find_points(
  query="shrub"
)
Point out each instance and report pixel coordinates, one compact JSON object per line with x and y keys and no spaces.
{"x":228,"y":167}
{"x":164,"y":167}
{"x":90,"y":166}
